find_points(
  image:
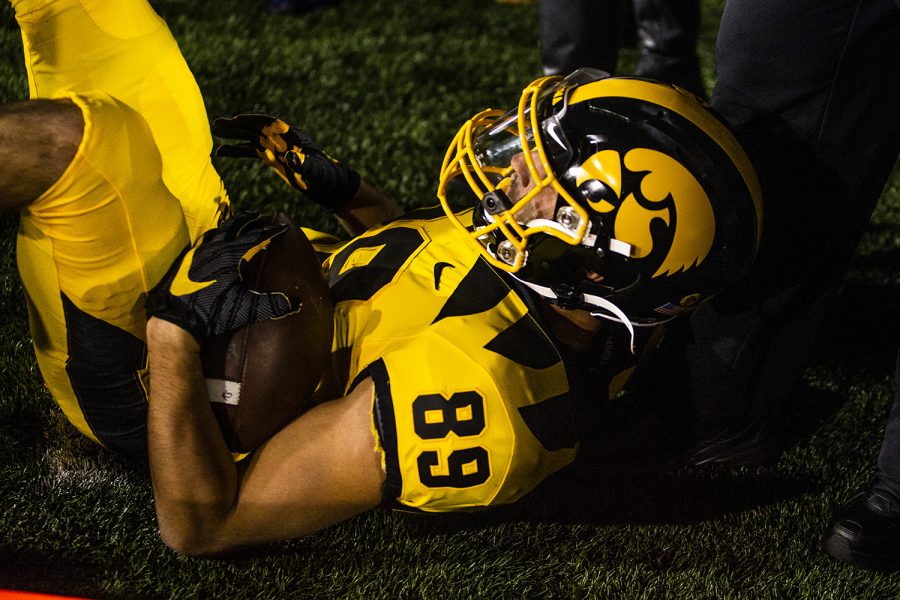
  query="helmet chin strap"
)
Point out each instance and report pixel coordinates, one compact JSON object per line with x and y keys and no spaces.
{"x":590,"y":300}
{"x":618,"y":315}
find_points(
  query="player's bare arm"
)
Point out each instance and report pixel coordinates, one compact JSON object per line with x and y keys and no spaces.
{"x":369,"y":208}
{"x":300,"y":162}
{"x":319,"y":470}
{"x":38,"y":140}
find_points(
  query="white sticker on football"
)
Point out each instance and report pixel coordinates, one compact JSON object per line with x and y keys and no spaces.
{"x":223,"y":392}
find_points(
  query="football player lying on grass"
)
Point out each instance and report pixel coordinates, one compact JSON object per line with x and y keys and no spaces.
{"x":469,"y":341}
{"x":449,"y":387}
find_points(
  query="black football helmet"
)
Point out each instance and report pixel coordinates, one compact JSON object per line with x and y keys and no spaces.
{"x":657,"y":205}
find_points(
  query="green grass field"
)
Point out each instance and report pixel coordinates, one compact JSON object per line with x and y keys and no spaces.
{"x":384,"y":85}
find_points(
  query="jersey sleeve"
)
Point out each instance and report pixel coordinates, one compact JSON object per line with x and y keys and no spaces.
{"x":472,"y":401}
{"x":459,"y":434}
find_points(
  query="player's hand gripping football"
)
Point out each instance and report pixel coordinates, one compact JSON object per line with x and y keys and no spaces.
{"x":293,"y":155}
{"x":203,"y":291}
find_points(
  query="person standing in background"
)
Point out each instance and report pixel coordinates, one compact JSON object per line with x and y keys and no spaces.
{"x":812,"y":91}
{"x":589,"y":33}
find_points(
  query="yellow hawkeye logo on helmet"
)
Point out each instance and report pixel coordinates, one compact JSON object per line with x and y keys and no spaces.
{"x":621,"y":196}
{"x":668,"y":192}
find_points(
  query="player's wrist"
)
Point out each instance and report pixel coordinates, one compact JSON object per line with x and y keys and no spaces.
{"x":294,"y":156}
{"x":170,"y":336}
{"x":164,"y":308}
{"x":336,"y":197}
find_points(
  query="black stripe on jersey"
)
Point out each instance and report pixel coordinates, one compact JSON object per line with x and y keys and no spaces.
{"x":363,"y":282}
{"x":480,"y":289}
{"x":103,"y":367}
{"x":387,"y":428}
{"x":552,"y":422}
{"x":525,"y":343}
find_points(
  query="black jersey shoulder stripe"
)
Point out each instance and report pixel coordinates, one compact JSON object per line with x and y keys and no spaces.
{"x":552,"y":422}
{"x":525,"y":343}
{"x":480,"y":289}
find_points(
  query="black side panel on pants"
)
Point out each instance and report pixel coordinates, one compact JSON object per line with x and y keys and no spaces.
{"x":103,"y":368}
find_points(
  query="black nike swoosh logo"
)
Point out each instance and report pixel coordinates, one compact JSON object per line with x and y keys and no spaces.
{"x":438,"y":269}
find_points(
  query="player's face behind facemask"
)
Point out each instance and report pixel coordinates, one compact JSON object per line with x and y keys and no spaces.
{"x":496,"y":157}
{"x":622,"y":196}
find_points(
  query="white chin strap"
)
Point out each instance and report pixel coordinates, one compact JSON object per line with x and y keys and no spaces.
{"x":617,"y":315}
{"x":591,"y":300}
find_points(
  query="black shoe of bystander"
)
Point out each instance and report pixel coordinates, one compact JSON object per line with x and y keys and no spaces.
{"x":737,"y":443}
{"x":866,"y":531}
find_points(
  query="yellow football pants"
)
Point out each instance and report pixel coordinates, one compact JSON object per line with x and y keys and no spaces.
{"x":140,"y":188}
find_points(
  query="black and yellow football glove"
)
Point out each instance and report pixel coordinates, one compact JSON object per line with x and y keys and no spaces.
{"x":293,"y":155}
{"x":204,"y":293}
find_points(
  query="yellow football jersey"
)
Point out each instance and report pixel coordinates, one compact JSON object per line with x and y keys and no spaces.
{"x":472,"y":399}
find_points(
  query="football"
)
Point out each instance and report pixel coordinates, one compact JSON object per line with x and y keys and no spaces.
{"x":261,"y":376}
